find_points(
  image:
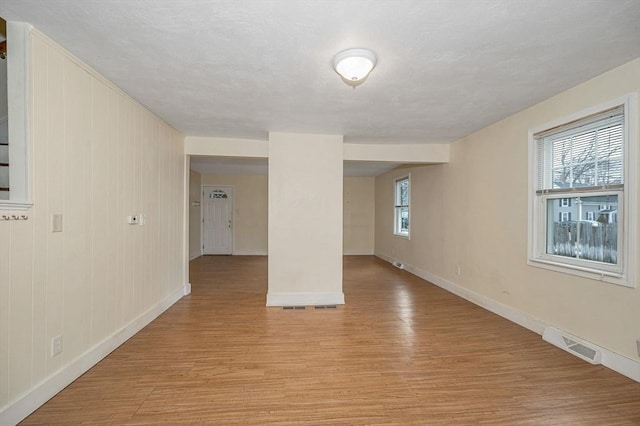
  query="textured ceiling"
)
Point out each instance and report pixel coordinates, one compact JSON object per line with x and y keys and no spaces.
{"x":244,"y":68}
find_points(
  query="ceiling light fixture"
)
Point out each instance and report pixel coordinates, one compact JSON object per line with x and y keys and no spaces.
{"x":354,"y":65}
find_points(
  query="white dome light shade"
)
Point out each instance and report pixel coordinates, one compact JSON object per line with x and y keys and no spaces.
{"x":354,"y":65}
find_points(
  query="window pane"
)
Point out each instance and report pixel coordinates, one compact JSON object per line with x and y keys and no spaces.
{"x":584,"y":175}
{"x":561,"y":177}
{"x":593,"y":238}
{"x":610,"y":142}
{"x":587,"y":156}
{"x":583,"y":148}
{"x":610,"y":172}
{"x":561,"y":152}
{"x":404,"y":192}
{"x":404,"y":219}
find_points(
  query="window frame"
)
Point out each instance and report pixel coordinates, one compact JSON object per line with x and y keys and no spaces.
{"x":18,"y":88}
{"x":625,"y":272}
{"x":397,"y":230}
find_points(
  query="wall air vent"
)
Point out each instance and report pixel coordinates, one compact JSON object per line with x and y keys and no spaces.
{"x":580,"y":348}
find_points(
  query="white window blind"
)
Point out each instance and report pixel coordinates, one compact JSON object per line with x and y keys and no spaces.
{"x":582,"y":155}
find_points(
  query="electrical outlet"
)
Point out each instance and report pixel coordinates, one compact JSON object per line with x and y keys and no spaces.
{"x":458,"y":270}
{"x":56,"y":345}
{"x":133,"y":219}
{"x":142,"y":219}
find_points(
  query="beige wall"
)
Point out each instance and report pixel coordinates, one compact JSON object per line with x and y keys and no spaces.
{"x":358,"y":215}
{"x":97,"y":157}
{"x":472,"y":213}
{"x":250,"y":211}
{"x":305,"y":219}
{"x":195,"y":243}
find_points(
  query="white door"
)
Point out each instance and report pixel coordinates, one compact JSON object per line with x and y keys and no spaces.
{"x":217,"y":219}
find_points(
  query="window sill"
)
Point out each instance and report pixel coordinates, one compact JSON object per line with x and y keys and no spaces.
{"x":15,"y":205}
{"x":403,"y":236}
{"x":593,"y":274}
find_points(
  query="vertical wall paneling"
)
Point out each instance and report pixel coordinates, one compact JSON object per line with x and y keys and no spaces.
{"x":20,"y":306}
{"x":112,"y":207}
{"x":127,"y":188}
{"x":40,"y":189}
{"x":77,"y":290}
{"x":97,"y":157}
{"x":55,"y":172}
{"x":97,"y":198}
{"x":5,"y":296}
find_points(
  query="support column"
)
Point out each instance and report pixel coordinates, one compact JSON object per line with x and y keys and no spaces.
{"x":305,"y":219}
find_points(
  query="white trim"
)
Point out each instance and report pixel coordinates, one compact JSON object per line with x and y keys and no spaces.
{"x":194,"y":256}
{"x":357,"y":252}
{"x":304,"y":299}
{"x":629,"y":227}
{"x":616,"y":362}
{"x":250,"y":252}
{"x":45,"y":390}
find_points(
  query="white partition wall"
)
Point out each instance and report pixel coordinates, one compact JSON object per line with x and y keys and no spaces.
{"x":305,"y":219}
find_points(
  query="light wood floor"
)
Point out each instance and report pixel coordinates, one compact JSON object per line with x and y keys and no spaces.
{"x":401,"y":351}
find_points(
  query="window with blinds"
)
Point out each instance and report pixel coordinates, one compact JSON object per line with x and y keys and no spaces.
{"x":581,"y":155}
{"x":579,"y":179}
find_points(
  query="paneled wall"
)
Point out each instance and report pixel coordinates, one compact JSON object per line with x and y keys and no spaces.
{"x":97,"y":157}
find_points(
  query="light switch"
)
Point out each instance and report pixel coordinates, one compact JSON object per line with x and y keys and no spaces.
{"x":56,"y":222}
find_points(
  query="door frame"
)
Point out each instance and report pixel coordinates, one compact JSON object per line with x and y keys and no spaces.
{"x":233,"y":215}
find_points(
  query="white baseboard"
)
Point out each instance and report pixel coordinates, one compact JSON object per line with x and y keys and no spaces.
{"x":19,"y":409}
{"x":619,"y":363}
{"x":304,"y":299}
{"x":356,"y":252}
{"x":250,"y":252}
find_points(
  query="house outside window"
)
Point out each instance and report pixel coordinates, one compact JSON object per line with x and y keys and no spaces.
{"x":582,"y":200}
{"x":401,"y":206}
